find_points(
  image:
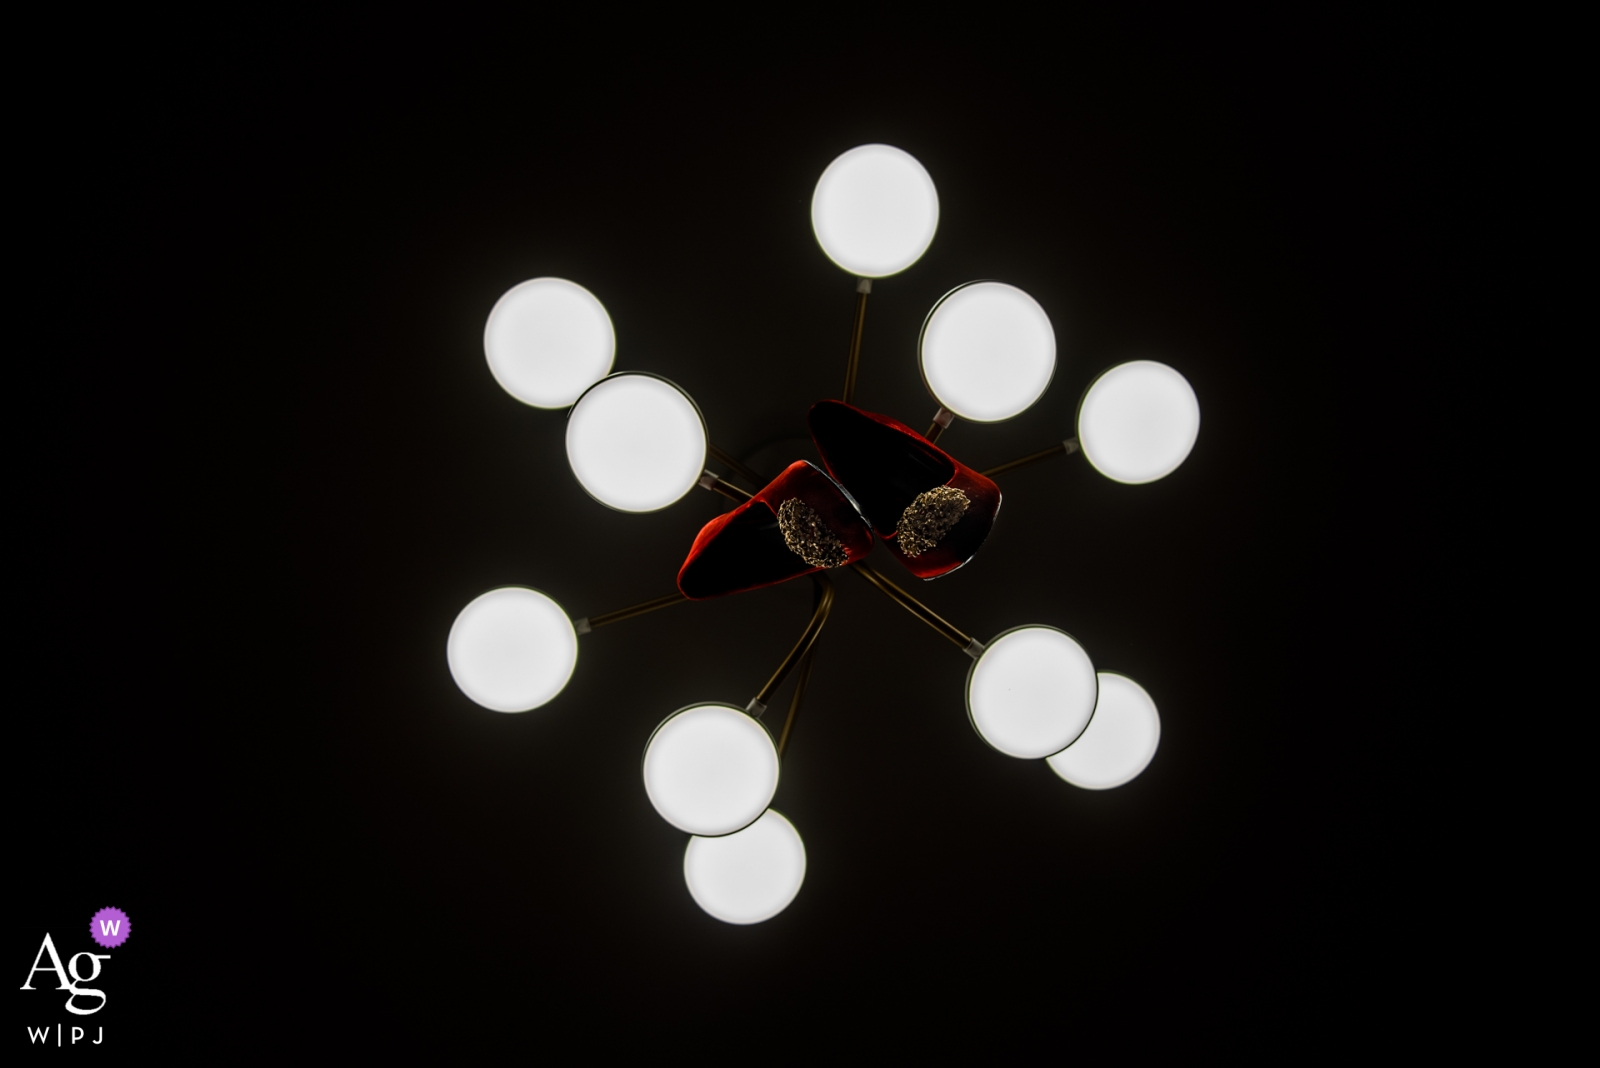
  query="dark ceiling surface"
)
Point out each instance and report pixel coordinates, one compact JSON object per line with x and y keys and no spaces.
{"x":320,"y":472}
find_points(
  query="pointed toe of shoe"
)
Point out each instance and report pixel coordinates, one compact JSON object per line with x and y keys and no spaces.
{"x":767,"y":539}
{"x":887,"y":466}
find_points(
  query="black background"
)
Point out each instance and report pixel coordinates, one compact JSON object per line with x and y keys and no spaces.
{"x":269,"y":465}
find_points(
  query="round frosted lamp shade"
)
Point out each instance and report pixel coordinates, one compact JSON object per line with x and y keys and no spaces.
{"x":1119,"y":742}
{"x":636,"y":442}
{"x":710,"y":769}
{"x":1032,"y":692}
{"x":987,"y":351}
{"x":1138,"y":421}
{"x":547,"y":341}
{"x":875,"y":211}
{"x":512,"y":649}
{"x":749,"y":876}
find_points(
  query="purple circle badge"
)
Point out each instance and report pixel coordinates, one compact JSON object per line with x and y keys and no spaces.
{"x":109,"y":927}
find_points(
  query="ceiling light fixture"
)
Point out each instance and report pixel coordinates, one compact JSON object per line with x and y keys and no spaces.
{"x":638,"y":443}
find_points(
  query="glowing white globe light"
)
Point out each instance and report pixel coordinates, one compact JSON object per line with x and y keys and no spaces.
{"x":988,"y":351}
{"x":1032,"y":692}
{"x":1138,"y":421}
{"x":750,"y":876}
{"x":547,"y":341}
{"x":636,"y":442}
{"x":1119,"y":741}
{"x":512,"y":649}
{"x":710,"y":769}
{"x":875,"y":211}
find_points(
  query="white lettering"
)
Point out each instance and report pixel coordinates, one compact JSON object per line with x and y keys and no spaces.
{"x":41,"y":1036}
{"x":77,"y":1033}
{"x":55,"y":966}
{"x":77,"y":991}
{"x":102,"y":1037}
{"x":109,"y":927}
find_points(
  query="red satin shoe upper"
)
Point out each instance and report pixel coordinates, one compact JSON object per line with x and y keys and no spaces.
{"x":886,"y":465}
{"x":744,"y":549}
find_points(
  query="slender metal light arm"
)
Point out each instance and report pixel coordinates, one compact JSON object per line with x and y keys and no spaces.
{"x":863,"y":287}
{"x":1067,"y":448}
{"x":712,"y":482}
{"x":969,"y":645}
{"x":727,"y":459}
{"x":819,"y":616}
{"x":801,"y":680}
{"x":941,"y":422}
{"x":794,"y":702}
{"x":588,"y":623}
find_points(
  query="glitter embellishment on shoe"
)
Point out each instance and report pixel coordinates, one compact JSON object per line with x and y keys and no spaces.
{"x":910,"y":490}
{"x":929,"y":518}
{"x":802,"y":521}
{"x":808,"y":537}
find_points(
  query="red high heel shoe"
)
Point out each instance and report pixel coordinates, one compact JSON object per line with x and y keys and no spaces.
{"x":931,"y":510}
{"x":803,"y":521}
